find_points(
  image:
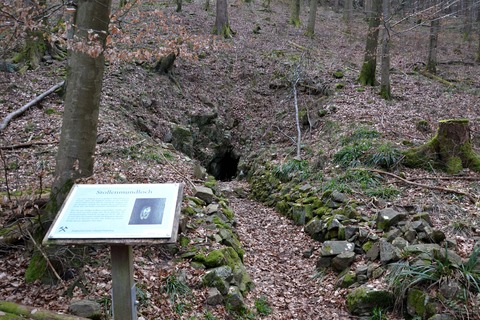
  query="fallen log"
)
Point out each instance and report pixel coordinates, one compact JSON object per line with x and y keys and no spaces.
{"x":33,"y":102}
{"x":15,"y":309}
{"x":432,"y":76}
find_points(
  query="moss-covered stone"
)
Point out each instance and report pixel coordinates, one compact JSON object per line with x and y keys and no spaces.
{"x":189,"y":211}
{"x":363,"y":300}
{"x":420,"y":304}
{"x":231,"y":240}
{"x":367,"y":245}
{"x":346,"y":279}
{"x":321,"y":211}
{"x":221,"y":257}
{"x":182,"y":140}
{"x":184,"y":241}
{"x":228,"y":212}
{"x":282,"y":207}
{"x":220,"y":223}
{"x":338,"y":74}
{"x":197,"y":201}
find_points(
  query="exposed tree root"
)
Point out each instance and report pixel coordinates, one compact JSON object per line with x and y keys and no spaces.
{"x":421,"y":185}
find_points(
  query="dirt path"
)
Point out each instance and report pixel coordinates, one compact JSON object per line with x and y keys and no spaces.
{"x":276,"y":262}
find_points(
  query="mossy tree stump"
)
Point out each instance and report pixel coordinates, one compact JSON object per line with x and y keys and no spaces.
{"x":450,"y":150}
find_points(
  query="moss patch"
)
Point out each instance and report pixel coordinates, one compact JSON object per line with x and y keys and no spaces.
{"x":450,"y":150}
{"x":36,"y":269}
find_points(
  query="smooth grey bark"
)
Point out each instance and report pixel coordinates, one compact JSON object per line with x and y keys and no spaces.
{"x":385,"y":88}
{"x":432,"y":47}
{"x":75,"y":158}
{"x":222,"y":26}
{"x":347,"y":14}
{"x":369,"y":66}
{"x":478,"y":32}
{"x":468,"y":19}
{"x":295,"y":13}
{"x":312,"y":15}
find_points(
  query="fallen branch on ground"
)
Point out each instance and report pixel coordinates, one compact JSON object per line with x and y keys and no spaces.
{"x":26,"y":145}
{"x":44,"y":256}
{"x":18,"y":112}
{"x":26,"y":312}
{"x":436,"y":78}
{"x":421,"y":185}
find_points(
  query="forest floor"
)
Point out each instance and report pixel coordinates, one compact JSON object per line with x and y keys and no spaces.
{"x":234,"y":77}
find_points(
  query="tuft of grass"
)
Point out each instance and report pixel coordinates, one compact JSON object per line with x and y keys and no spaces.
{"x":386,"y":193}
{"x":353,"y":155}
{"x":378,"y":314}
{"x":175,"y":287}
{"x":404,"y":276}
{"x":142,"y":296}
{"x":368,"y":153}
{"x":385,"y":156}
{"x":361,"y":133}
{"x":293,"y":168}
{"x":209,"y":316}
{"x":262,"y":306}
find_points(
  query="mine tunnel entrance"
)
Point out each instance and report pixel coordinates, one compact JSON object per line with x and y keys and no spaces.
{"x":224,"y":164}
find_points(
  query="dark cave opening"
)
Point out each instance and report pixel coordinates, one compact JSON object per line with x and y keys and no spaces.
{"x":224,"y":165}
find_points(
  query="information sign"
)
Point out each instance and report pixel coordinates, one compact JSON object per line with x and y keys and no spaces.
{"x":118,"y":211}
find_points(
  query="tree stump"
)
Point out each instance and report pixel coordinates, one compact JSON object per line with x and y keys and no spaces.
{"x":450,"y":150}
{"x":165,"y":64}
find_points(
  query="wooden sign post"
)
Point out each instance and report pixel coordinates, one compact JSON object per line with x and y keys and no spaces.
{"x":120,"y":216}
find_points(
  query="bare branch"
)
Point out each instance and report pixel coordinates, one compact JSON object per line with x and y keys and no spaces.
{"x":33,"y":102}
{"x":421,"y":185}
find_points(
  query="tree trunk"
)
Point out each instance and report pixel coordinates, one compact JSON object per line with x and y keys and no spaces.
{"x":450,"y":150}
{"x":367,"y":74}
{"x":432,"y":47}
{"x":347,"y":14}
{"x":385,"y":89}
{"x":222,"y":27}
{"x":78,"y":137}
{"x":295,"y":13}
{"x":468,"y":20}
{"x":336,"y":5}
{"x":312,"y":17}
{"x":478,"y":32}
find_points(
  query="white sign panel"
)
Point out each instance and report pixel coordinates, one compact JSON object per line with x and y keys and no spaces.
{"x":120,"y":211}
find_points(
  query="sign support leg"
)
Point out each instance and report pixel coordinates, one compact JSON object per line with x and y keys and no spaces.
{"x":123,"y":287}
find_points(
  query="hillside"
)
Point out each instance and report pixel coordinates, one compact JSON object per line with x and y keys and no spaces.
{"x":236,"y":94}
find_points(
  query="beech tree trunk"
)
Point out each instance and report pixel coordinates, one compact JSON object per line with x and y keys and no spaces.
{"x":295,"y":13}
{"x":450,"y":150}
{"x":367,"y":74}
{"x":478,"y":32}
{"x":78,"y":137}
{"x":432,"y":47}
{"x":222,"y":26}
{"x":312,"y":17}
{"x":385,"y":89}
{"x":347,"y":14}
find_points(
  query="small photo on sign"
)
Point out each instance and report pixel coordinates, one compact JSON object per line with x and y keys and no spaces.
{"x":147,"y":211}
